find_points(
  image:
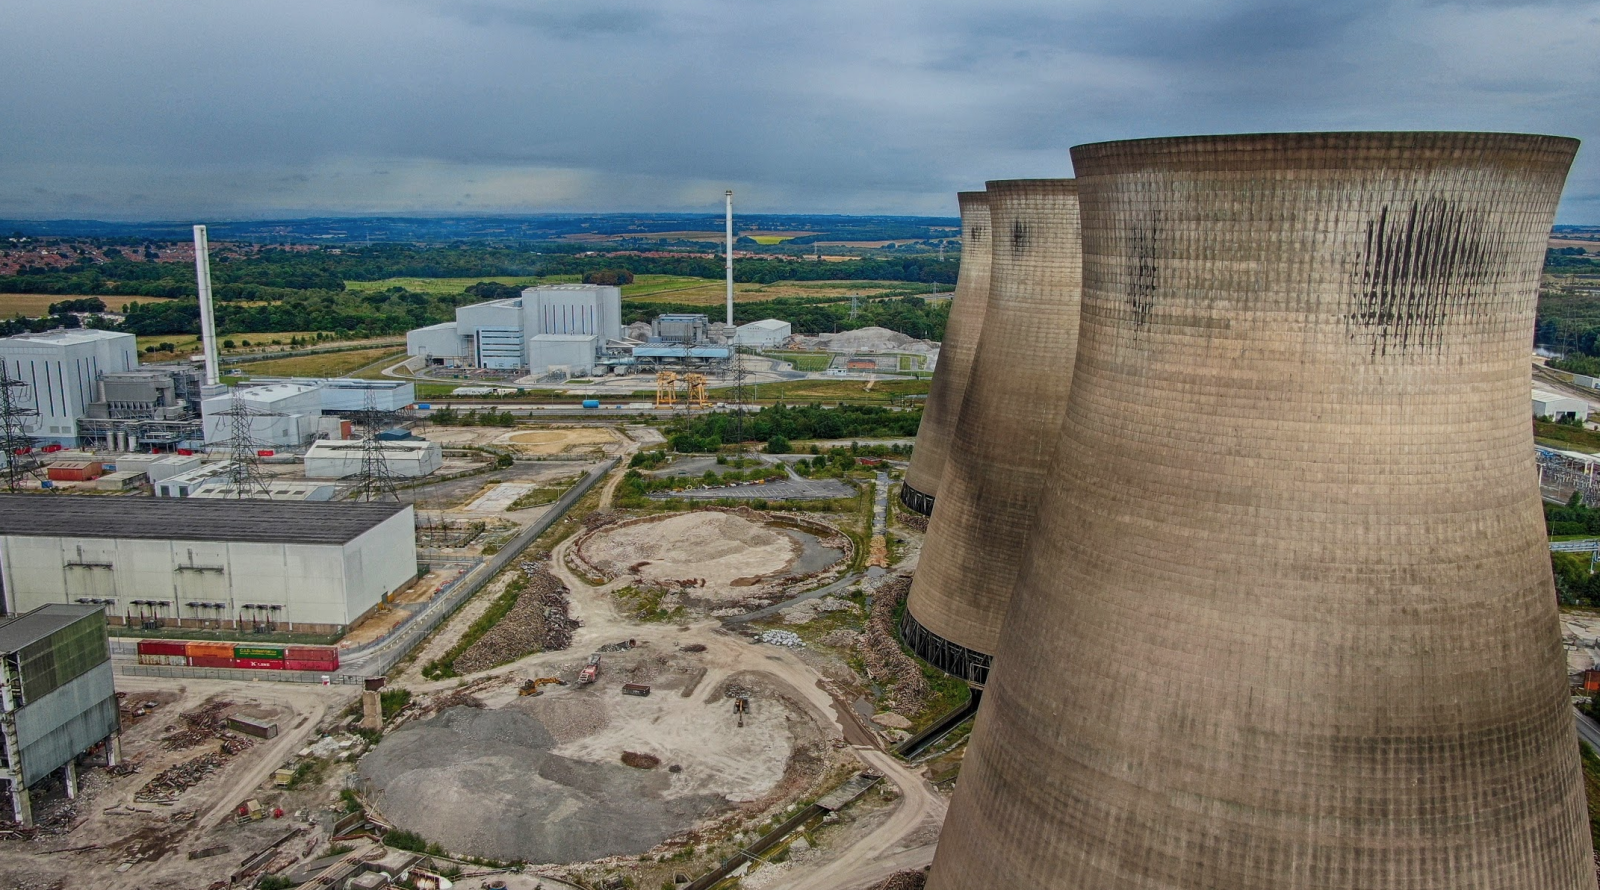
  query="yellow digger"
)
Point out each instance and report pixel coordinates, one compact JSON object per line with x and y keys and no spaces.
{"x":532,"y":687}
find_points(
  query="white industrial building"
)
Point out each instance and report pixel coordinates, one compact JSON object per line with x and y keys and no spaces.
{"x":193,"y":562}
{"x":561,"y":327}
{"x":282,"y":415}
{"x":408,"y":458}
{"x":763,"y":334}
{"x":62,"y":369}
{"x":1559,"y":407}
{"x":347,"y":395}
{"x":186,"y":483}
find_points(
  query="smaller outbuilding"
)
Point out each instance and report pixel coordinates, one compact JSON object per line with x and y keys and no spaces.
{"x":408,"y":458}
{"x":1559,"y":407}
{"x":766,"y":333}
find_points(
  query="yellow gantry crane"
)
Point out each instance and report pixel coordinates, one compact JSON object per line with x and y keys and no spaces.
{"x":697,"y":391}
{"x":666,"y":389}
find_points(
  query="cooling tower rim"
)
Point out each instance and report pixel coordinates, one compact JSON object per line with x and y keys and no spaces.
{"x":1302,"y":148}
{"x":972,"y":197}
{"x":1005,"y":187}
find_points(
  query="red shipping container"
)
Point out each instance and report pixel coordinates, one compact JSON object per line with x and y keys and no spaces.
{"x":210,"y":661}
{"x":319,"y":666}
{"x":163,"y":647}
{"x":310,"y":652}
{"x":259,"y":664}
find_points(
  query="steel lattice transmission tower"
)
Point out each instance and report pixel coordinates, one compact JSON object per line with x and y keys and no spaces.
{"x":245,"y":470}
{"x":375,"y":482}
{"x":16,"y":416}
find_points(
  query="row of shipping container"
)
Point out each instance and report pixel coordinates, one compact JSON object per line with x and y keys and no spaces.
{"x":253,"y":656}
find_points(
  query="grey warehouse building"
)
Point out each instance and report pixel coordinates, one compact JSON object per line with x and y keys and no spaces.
{"x":58,"y":701}
{"x":312,"y":567}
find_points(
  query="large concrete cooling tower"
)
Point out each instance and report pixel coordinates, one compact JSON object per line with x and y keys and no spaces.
{"x":1007,"y":430}
{"x":960,"y":343}
{"x":1287,"y":620}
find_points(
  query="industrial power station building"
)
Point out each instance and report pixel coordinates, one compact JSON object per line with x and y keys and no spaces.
{"x":55,"y":666}
{"x":62,"y":369}
{"x":560,"y":327}
{"x":304,"y":566}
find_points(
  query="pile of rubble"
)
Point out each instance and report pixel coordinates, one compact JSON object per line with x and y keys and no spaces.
{"x":914,"y":879}
{"x":914,"y":521}
{"x":786,"y":638}
{"x":207,"y":722}
{"x":538,"y":622}
{"x":887,"y":664}
{"x":178,"y":778}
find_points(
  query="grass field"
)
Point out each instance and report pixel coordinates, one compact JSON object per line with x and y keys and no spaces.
{"x":328,"y":364}
{"x":711,"y":292}
{"x":643,"y":285}
{"x":804,"y":361}
{"x":34,"y":305}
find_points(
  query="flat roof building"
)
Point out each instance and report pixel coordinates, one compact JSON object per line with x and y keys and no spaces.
{"x":764,"y":334}
{"x":409,"y":458}
{"x":55,"y":664}
{"x":282,"y":415}
{"x":1559,"y":407}
{"x":194,"y":562}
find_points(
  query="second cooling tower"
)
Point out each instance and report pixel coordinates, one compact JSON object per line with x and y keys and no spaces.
{"x":1286,"y":620}
{"x":1005,"y":436}
{"x":960,"y":344}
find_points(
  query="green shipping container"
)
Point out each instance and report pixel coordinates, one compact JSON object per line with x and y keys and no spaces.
{"x":275,"y":652}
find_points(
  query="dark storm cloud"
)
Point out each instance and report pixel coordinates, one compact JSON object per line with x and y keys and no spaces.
{"x":172,"y":108}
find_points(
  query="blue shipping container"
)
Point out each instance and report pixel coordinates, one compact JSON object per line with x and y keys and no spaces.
{"x":591,"y":403}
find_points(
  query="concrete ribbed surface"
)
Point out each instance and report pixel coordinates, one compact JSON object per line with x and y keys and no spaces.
{"x":1006,"y":435}
{"x":960,"y":344}
{"x":1287,"y":620}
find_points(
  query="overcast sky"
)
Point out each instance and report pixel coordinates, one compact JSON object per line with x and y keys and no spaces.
{"x":139,"y":109}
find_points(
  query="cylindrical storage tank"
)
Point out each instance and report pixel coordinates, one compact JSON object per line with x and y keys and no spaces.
{"x":1286,"y":621}
{"x":956,"y":351}
{"x":1006,"y":434}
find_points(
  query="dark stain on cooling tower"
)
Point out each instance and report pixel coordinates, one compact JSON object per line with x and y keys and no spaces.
{"x":1142,"y":273}
{"x":977,"y":233}
{"x":1019,"y":237}
{"x":1417,"y":266}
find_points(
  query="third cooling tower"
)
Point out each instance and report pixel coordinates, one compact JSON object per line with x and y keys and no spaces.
{"x":960,"y":343}
{"x":1286,"y":620}
{"x":1005,"y":436}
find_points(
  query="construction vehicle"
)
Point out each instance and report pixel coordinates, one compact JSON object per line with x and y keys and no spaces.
{"x":741,"y":706}
{"x":591,"y":670}
{"x":531,"y":687}
{"x":249,"y":811}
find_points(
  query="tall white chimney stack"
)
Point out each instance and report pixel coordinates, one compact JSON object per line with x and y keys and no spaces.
{"x":208,"y":322}
{"x":730,"y":257}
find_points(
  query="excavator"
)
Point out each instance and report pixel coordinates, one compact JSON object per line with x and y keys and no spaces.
{"x":532,"y":687}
